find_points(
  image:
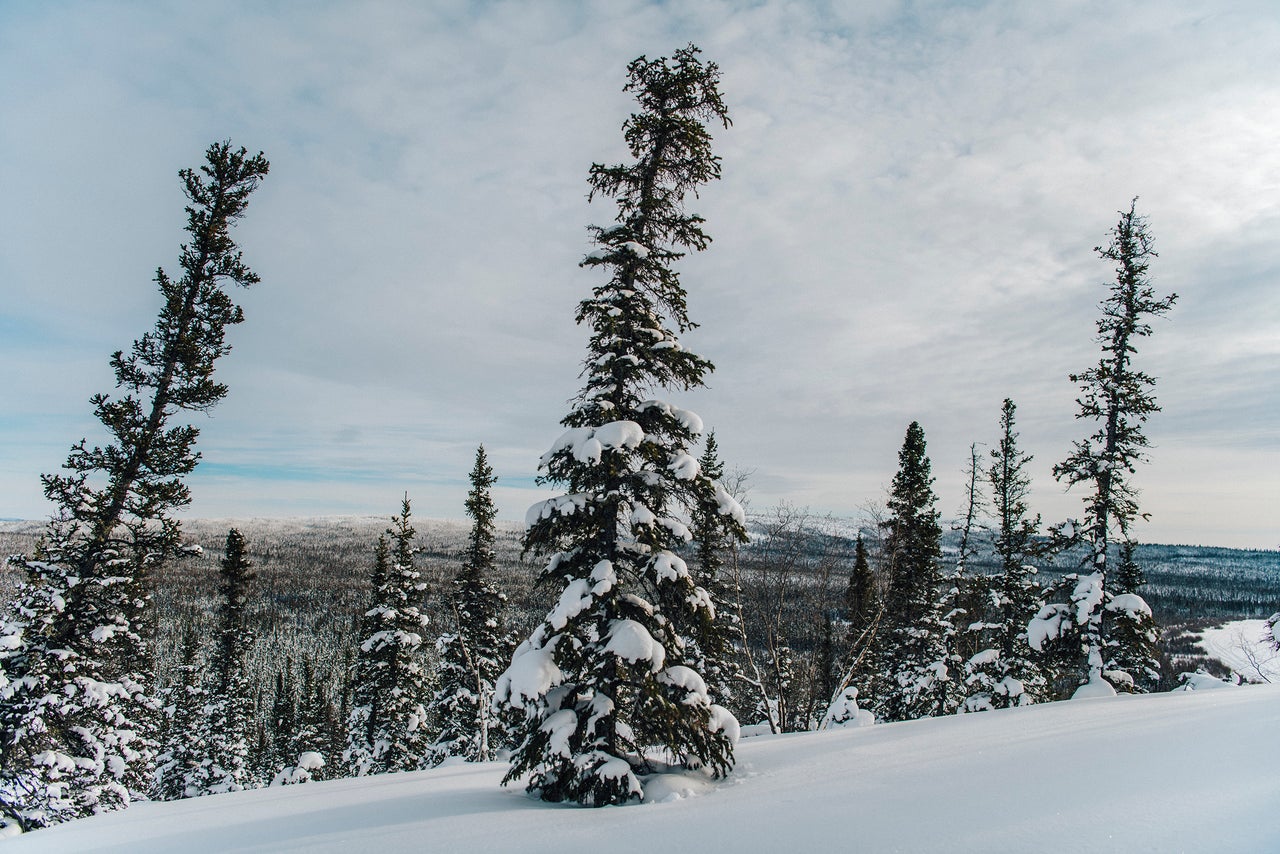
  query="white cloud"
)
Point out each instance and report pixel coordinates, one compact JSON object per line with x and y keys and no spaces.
{"x":903,"y":232}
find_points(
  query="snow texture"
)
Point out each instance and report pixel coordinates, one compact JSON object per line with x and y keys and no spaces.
{"x":1131,"y":604}
{"x":588,"y":444}
{"x":1175,"y":755}
{"x":632,"y":642}
{"x":532,"y":673}
{"x":1095,"y":688}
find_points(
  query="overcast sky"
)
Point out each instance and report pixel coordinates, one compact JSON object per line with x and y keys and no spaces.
{"x":904,"y":231}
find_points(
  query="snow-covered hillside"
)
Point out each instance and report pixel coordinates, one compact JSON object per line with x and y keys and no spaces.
{"x":1189,"y":771}
{"x":1239,"y":645}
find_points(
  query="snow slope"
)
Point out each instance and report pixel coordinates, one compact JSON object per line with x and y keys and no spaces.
{"x":1239,"y":645}
{"x":1190,"y":771}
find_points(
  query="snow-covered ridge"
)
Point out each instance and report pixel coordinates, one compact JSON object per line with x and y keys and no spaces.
{"x":1197,"y":774}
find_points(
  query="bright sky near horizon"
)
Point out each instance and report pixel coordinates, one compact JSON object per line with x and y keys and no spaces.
{"x":904,"y":231}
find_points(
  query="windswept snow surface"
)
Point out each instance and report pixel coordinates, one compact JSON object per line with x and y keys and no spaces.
{"x":1187,"y":771}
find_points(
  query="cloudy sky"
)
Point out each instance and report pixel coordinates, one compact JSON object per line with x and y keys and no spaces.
{"x":904,"y":231}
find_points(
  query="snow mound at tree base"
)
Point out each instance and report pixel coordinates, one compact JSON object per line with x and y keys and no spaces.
{"x":672,"y":786}
{"x":1185,"y":771}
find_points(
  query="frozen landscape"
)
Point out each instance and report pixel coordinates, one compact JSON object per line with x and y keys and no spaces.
{"x":1183,"y":771}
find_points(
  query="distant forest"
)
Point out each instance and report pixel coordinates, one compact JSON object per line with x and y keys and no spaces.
{"x":313,"y":582}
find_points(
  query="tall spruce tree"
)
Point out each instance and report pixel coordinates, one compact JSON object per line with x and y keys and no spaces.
{"x":388,"y":727}
{"x":605,"y":680}
{"x":910,"y":670}
{"x":228,"y":714}
{"x":475,"y":654}
{"x":1003,"y":673}
{"x":78,"y":715}
{"x":964,"y":593}
{"x":1118,"y":399}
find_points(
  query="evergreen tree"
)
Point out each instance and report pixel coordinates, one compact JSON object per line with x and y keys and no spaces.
{"x":1118,"y":398}
{"x":181,"y":744}
{"x":474,"y":656}
{"x":1129,"y":575}
{"x":909,"y":663}
{"x":284,"y":723}
{"x":1002,"y":673}
{"x":861,"y":600}
{"x":387,"y":730}
{"x":827,"y":663}
{"x":715,"y":531}
{"x":310,"y":740}
{"x":228,"y":714}
{"x":964,"y":595}
{"x":605,"y":680}
{"x":860,"y":595}
{"x":75,"y":668}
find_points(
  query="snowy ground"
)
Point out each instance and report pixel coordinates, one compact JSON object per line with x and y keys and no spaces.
{"x":1239,"y":645}
{"x":1190,"y":771}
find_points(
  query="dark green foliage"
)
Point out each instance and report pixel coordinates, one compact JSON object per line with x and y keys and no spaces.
{"x":862,"y":607}
{"x":1128,"y":575}
{"x":715,"y":533}
{"x":1115,"y":395}
{"x":79,"y":682}
{"x":605,"y":681}
{"x":1004,"y":672}
{"x":387,"y":729}
{"x":1118,"y":399}
{"x":234,"y":635}
{"x":229,"y":713}
{"x":183,"y":712}
{"x":909,"y":667}
{"x":475,"y":654}
{"x":860,"y":596}
{"x":284,"y":722}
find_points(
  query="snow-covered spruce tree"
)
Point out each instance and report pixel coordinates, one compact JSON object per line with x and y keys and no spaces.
{"x":474,"y":655}
{"x":1002,"y":672}
{"x":711,"y":649}
{"x":1118,"y":398}
{"x":181,"y":743}
{"x":78,"y":715}
{"x":306,"y":756}
{"x":861,"y":601}
{"x":909,"y":669}
{"x":229,"y":712}
{"x":605,"y":680}
{"x":964,"y":594}
{"x":1132,"y":656}
{"x":283,"y":728}
{"x":387,"y":729}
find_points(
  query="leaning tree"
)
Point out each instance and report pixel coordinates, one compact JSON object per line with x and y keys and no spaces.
{"x":78,"y":713}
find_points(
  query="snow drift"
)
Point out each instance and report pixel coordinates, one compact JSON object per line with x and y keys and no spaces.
{"x":1188,"y":771}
